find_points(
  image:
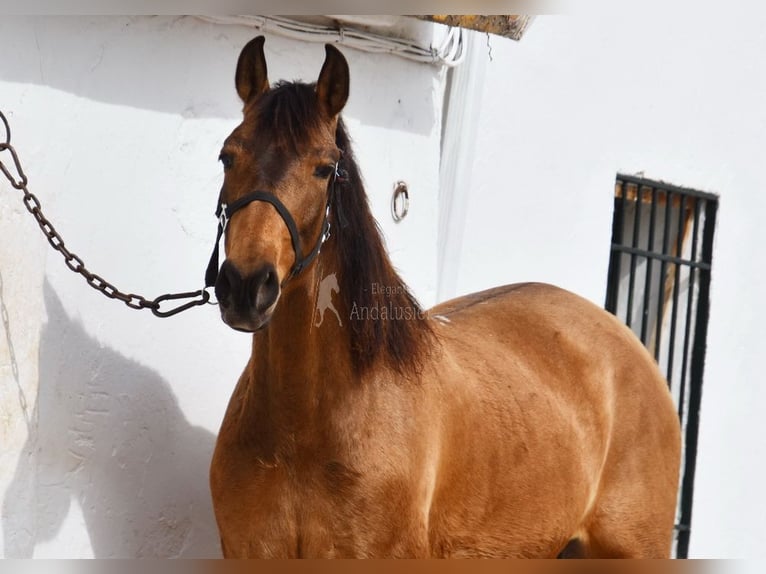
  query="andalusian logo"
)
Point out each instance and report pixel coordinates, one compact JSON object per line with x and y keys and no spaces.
{"x":327,"y":287}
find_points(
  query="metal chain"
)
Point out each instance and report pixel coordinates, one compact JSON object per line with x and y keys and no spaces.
{"x":19,"y":181}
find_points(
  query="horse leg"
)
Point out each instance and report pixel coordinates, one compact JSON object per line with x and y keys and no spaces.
{"x":622,"y":526}
{"x":574,"y":549}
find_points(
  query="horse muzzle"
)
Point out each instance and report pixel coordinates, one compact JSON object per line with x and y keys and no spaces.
{"x":247,"y":302}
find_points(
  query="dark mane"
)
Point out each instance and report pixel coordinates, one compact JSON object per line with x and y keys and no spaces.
{"x":368,"y":281}
{"x":387,"y":322}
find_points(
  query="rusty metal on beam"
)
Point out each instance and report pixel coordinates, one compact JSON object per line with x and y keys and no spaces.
{"x":508,"y":26}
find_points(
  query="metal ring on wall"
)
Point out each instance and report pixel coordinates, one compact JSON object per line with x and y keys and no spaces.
{"x":400,"y":202}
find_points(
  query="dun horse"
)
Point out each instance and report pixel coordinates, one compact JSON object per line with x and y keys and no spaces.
{"x":522,"y":421}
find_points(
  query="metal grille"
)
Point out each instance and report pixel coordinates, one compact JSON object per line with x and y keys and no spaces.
{"x":659,"y":284}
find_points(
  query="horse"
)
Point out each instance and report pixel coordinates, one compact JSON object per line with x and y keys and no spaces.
{"x":520,"y":421}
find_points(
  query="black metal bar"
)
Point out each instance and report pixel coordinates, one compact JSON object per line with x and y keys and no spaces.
{"x":663,"y":271}
{"x":639,"y":181}
{"x":633,"y":256}
{"x":676,"y":289}
{"x":695,"y":390}
{"x":692,"y":347}
{"x":648,"y":276}
{"x":661,"y":257}
{"x":689,"y":305}
{"x":621,"y":239}
{"x":680,"y":233}
{"x":615,"y":259}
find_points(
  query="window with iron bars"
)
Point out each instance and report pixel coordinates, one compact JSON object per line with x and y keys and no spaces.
{"x":659,"y":285}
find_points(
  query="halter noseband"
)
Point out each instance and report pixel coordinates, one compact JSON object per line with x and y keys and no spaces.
{"x":224,"y":213}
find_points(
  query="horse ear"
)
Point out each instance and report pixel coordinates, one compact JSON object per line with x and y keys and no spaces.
{"x":333,"y":82}
{"x":251,"y":78}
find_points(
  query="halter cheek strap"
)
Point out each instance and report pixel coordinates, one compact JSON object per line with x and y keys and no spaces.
{"x":224,"y":213}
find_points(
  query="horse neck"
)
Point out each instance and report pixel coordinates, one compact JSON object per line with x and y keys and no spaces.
{"x":299,"y":370}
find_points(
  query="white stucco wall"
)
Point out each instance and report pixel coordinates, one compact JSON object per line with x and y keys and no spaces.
{"x":108,"y":428}
{"x":679,"y":94}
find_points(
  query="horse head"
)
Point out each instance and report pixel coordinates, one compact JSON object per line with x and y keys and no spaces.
{"x":280,"y":165}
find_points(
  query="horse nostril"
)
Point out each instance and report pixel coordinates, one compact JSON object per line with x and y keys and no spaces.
{"x":229,"y":283}
{"x":256,"y":292}
{"x":265,"y":288}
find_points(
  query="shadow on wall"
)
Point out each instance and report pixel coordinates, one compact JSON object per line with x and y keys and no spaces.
{"x":112,"y":438}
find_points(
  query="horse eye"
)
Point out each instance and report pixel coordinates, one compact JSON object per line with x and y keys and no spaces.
{"x":324,"y":171}
{"x":227,"y":160}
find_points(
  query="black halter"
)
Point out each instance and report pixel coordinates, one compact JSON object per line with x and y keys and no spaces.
{"x":224,"y":213}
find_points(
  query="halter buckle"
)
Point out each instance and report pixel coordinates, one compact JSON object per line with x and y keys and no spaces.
{"x":341,"y":175}
{"x":223,"y":219}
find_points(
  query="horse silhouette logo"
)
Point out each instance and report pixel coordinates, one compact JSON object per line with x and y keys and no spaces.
{"x":327,"y":287}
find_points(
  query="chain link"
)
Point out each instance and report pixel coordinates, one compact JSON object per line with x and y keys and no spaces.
{"x":19,"y":181}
